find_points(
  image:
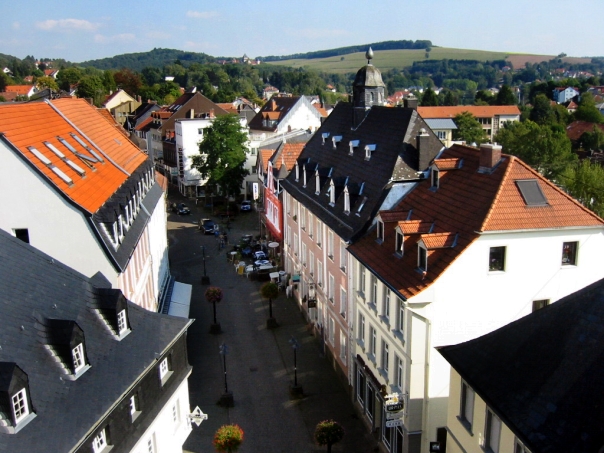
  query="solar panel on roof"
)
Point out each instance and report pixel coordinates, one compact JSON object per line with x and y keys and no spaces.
{"x":531,"y":192}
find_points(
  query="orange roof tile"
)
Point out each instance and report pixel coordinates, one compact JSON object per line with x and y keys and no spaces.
{"x":36,"y":123}
{"x":265,"y":155}
{"x":20,"y":89}
{"x":290,"y":154}
{"x":479,"y":111}
{"x":321,"y":110}
{"x":465,"y":204}
{"x":447,"y":164}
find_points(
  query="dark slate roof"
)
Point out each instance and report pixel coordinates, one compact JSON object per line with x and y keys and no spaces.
{"x":35,"y":287}
{"x":542,"y":374}
{"x":110,"y":211}
{"x":395,"y":159}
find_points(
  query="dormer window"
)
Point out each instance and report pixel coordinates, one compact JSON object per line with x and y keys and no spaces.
{"x":297,"y":172}
{"x":332,"y":194}
{"x":100,"y":443}
{"x":435,"y":178}
{"x":361,"y":206}
{"x":398,"y":246}
{"x":122,"y":322}
{"x":353,"y":144}
{"x":346,"y":201}
{"x":165,"y":369}
{"x":317,"y":184}
{"x":368,"y":150}
{"x":20,"y":406}
{"x":335,"y":140}
{"x":79,"y":360}
{"x":66,"y":342}
{"x":422,"y":258}
{"x":380,"y":231}
{"x":304,"y":176}
{"x":14,"y":394}
{"x":324,"y":136}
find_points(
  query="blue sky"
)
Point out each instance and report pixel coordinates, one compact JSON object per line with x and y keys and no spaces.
{"x":79,"y":30}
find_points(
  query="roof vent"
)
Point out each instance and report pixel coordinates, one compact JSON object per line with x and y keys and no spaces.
{"x":353,"y":144}
{"x":335,"y":140}
{"x":368,"y":150}
{"x":324,"y":135}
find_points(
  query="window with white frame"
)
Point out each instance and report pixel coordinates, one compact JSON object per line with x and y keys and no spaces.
{"x":310,"y":224}
{"x":303,"y":217}
{"x":386,"y":303}
{"x":398,"y":246}
{"x":361,"y":333}
{"x":361,"y":285}
{"x":20,"y":406}
{"x":569,"y":253}
{"x":77,"y":354}
{"x":164,"y":370}
{"x":176,"y":412}
{"x":374,"y":290}
{"x":331,"y":288}
{"x":289,"y":236}
{"x":331,"y":330}
{"x":330,"y":244}
{"x":311,"y":263}
{"x":319,"y":276}
{"x":422,"y":258}
{"x":399,"y":372}
{"x":343,"y":256}
{"x":319,"y":232}
{"x":343,"y":302}
{"x":496,"y":259}
{"x":296,"y":244}
{"x":435,"y":178}
{"x":151,"y":444}
{"x":466,"y":406}
{"x":100,"y":441}
{"x":122,"y":322}
{"x":372,"y":342}
{"x":400,"y":315}
{"x":303,"y":256}
{"x":385,"y":356}
{"x":343,"y":353}
{"x":380,"y":231}
{"x":134,"y":406}
{"x":492,"y":432}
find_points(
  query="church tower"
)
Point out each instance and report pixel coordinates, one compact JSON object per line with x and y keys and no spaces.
{"x":368,"y":90}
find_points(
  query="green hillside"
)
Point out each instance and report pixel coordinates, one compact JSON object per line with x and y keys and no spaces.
{"x":157,"y":58}
{"x":389,"y":59}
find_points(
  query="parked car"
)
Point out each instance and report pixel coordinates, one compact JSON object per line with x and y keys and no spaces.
{"x":246,"y":205}
{"x":183,"y":209}
{"x":208,"y":226}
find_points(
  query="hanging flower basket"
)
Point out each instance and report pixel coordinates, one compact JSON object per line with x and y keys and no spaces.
{"x":213,"y":294}
{"x":228,"y":438}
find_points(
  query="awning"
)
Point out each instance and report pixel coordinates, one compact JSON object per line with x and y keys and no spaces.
{"x":180,"y":302}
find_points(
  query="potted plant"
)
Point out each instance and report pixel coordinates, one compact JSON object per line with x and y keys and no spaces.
{"x":228,"y":439}
{"x":214,"y":295}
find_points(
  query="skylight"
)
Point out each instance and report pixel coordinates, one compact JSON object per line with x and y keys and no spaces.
{"x":62,"y":175}
{"x":71,"y":164}
{"x":51,"y":147}
{"x":86,"y":147}
{"x":531,"y":192}
{"x":45,"y":160}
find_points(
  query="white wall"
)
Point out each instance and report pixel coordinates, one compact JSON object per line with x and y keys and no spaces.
{"x":166,"y":434}
{"x":300,"y":117}
{"x":55,"y":226}
{"x":158,"y":238}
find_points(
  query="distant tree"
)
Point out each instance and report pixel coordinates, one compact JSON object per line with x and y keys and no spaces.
{"x":222,"y":155}
{"x":469,"y":129}
{"x":3,"y":81}
{"x":450,"y":98}
{"x":585,"y":182}
{"x":129,"y":81}
{"x":506,"y":96}
{"x":545,"y":148}
{"x":2,"y":99}
{"x":542,"y":112}
{"x":561,"y":115}
{"x":328,"y":432}
{"x":67,"y":77}
{"x":47,"y":82}
{"x":91,"y":87}
{"x":429,"y":98}
{"x":594,"y":140}
{"x":483,"y":97}
{"x":109,"y":81}
{"x":152,"y":75}
{"x":587,"y":110}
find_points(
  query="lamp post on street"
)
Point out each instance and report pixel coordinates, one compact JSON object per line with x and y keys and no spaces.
{"x":205,"y":280}
{"x":227,"y":397}
{"x":295,"y":390}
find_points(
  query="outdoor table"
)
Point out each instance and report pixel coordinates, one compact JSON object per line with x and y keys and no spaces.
{"x":262,"y":263}
{"x":274,"y":276}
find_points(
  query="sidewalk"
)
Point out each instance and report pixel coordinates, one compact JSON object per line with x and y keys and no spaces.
{"x":260,"y":361}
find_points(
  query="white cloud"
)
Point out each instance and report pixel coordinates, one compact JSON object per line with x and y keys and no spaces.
{"x":124,"y":37}
{"x":66,"y":24}
{"x":202,"y":14}
{"x":316,"y":33}
{"x":16,"y":25}
{"x":158,"y":35}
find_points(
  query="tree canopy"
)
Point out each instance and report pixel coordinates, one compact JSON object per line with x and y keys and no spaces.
{"x":587,"y":110}
{"x":585,"y":182}
{"x":328,"y":432}
{"x":545,"y":148}
{"x":505,"y":96}
{"x":469,"y":129}
{"x":222,"y":155}
{"x":429,"y":98}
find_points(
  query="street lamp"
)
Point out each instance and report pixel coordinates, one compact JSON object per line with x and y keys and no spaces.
{"x":227,"y":398}
{"x":205,"y":280}
{"x":295,"y":390}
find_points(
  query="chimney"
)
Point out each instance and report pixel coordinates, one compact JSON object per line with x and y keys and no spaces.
{"x":212,"y":113}
{"x":273,"y":105}
{"x":423,"y":150}
{"x":410,"y":103}
{"x":139,"y":99}
{"x":192,"y":112}
{"x":490,"y":156}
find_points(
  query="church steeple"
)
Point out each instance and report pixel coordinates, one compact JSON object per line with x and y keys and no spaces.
{"x":368,"y":90}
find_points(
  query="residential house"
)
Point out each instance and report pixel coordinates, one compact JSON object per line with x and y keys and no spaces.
{"x":163,"y":151}
{"x":12,"y":91}
{"x":51,"y":73}
{"x":139,"y":122}
{"x":491,"y":117}
{"x":480,"y":241}
{"x":269,"y":92}
{"x":283,"y":114}
{"x":359,"y":161}
{"x":443,"y":128}
{"x":564,"y":94}
{"x":121,"y":105}
{"x":576,"y":129}
{"x":241,"y":107}
{"x":87,"y":195}
{"x":533,"y":385}
{"x":82,"y":369}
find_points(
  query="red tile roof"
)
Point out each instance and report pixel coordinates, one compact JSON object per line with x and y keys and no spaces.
{"x":479,"y":111}
{"x":289,"y":155}
{"x":33,"y":124}
{"x":265,"y":155}
{"x":576,"y":129}
{"x":465,"y":204}
{"x":19,"y":89}
{"x":321,"y":110}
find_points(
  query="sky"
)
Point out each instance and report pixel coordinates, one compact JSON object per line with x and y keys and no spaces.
{"x":80,"y":30}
